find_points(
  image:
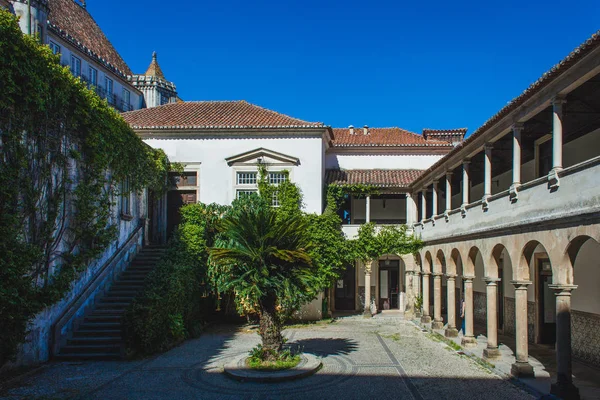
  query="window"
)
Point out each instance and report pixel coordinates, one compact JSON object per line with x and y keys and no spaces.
{"x":109,"y":90}
{"x":275,"y":178}
{"x":40,"y":34}
{"x":164,"y":99}
{"x":93,"y":76}
{"x":275,"y":199}
{"x":125,"y":198}
{"x":247,"y":178}
{"x":126,"y":99}
{"x":241,"y":193}
{"x":55,"y":48}
{"x":75,"y":66}
{"x":188,"y":179}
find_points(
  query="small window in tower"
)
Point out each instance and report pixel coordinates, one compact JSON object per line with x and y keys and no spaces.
{"x":164,"y":99}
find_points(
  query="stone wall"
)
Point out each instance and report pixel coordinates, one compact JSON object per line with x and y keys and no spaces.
{"x":585,"y":339}
{"x":509,"y":318}
{"x":480,"y":308}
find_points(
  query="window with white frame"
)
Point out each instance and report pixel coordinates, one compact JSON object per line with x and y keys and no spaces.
{"x":109,"y":88}
{"x":75,"y":66}
{"x":54,"y":47}
{"x":93,"y":76}
{"x":247,"y":178}
{"x":126,"y":98}
{"x":275,"y":178}
{"x":242,"y":193}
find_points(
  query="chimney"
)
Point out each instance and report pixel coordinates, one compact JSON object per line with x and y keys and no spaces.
{"x":366,"y":130}
{"x":351,"y":129}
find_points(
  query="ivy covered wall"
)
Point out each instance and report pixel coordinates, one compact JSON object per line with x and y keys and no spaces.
{"x":64,"y":155}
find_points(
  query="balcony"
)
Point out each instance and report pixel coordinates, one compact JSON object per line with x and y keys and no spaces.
{"x":577,"y":195}
{"x":384,"y":209}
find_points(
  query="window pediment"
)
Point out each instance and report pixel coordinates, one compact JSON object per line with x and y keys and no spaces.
{"x":262,"y":156}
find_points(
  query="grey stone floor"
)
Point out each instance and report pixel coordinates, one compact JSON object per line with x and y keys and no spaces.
{"x":362,"y":359}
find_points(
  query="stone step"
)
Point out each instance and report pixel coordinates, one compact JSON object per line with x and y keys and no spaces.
{"x":108,"y":312}
{"x":95,"y":340}
{"x":100,"y":326}
{"x":105,"y":333}
{"x":91,"y":349}
{"x":104,"y":318}
{"x":116,"y":298}
{"x":89,"y":356}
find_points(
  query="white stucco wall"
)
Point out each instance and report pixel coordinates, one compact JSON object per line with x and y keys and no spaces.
{"x":394,"y":209}
{"x":334,"y":160}
{"x":587,"y":276}
{"x":217,"y":178}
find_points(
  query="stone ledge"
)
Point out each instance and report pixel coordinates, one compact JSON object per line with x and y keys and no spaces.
{"x":237,"y":369}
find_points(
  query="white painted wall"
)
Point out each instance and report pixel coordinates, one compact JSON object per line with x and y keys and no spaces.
{"x":217,"y":178}
{"x":379,"y":161}
{"x":394,"y":209}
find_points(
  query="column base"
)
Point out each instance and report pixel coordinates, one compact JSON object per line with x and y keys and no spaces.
{"x":451,"y":332}
{"x":492,"y":353}
{"x":425,"y":319}
{"x":367,"y":313}
{"x":437,"y":325}
{"x":468,"y":341}
{"x":417,"y":314}
{"x":522,"y":370}
{"x":565,"y":390}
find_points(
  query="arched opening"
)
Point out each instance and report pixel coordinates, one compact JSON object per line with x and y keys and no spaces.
{"x":583,"y":255}
{"x":535,"y":265}
{"x":455,"y":266}
{"x":500,"y":266}
{"x":389,"y":283}
{"x":442,"y":268}
{"x":429,"y":268}
{"x":476,"y":265}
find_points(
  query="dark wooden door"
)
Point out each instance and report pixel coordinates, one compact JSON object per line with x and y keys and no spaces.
{"x":175,"y":200}
{"x":345,"y":288}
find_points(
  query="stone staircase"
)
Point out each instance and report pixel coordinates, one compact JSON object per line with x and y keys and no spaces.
{"x":98,"y":336}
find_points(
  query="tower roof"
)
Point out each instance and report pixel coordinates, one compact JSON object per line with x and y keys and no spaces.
{"x":154,"y":68}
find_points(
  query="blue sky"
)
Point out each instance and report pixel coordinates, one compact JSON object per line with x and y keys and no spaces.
{"x":436,"y":64}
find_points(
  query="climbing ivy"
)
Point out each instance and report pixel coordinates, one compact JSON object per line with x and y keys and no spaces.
{"x":337,"y":192}
{"x":374,"y":242}
{"x":64,"y":152}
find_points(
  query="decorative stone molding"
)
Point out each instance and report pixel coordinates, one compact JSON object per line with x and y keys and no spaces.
{"x":513,"y":192}
{"x":553,"y":180}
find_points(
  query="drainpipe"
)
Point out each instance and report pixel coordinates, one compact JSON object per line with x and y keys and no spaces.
{"x":29,"y":17}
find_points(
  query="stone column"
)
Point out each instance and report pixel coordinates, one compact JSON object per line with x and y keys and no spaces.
{"x":410,"y":213}
{"x":368,"y":209}
{"x":451,"y":330}
{"x":435,"y":199}
{"x":423,"y":205}
{"x":492,"y":352}
{"x":438,"y":322}
{"x":468,"y":339}
{"x":466,"y":185}
{"x":426,"y":318}
{"x":367,"y":311}
{"x":521,"y":368}
{"x":487,"y":186}
{"x":517,"y":130}
{"x":557,"y":132}
{"x":448,"y":192}
{"x":410,"y":295}
{"x":564,"y":387}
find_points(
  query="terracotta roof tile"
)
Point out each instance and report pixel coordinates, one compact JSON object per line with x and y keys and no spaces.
{"x":211,"y":115}
{"x":548,"y":77}
{"x":392,"y":178}
{"x":381,"y":137}
{"x":73,"y":23}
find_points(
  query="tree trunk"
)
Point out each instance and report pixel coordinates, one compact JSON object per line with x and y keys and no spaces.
{"x":270,"y":329}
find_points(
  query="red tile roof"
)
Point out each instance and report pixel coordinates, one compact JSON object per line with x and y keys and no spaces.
{"x":548,"y":77}
{"x":73,"y":23}
{"x":382,"y":137}
{"x":392,"y":178}
{"x":211,"y":115}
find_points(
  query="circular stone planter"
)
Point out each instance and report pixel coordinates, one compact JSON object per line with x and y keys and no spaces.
{"x":238,"y":370}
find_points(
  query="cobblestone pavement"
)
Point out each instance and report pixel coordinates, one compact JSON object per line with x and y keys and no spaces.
{"x":362,"y":359}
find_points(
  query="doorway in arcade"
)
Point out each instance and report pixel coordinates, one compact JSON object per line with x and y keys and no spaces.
{"x":389,"y":285}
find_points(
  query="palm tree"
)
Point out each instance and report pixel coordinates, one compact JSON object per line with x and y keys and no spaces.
{"x":263,"y":257}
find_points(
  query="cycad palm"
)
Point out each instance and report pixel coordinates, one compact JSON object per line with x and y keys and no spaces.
{"x":262,"y":257}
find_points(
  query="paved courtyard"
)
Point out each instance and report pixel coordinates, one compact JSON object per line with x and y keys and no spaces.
{"x":382,"y":358}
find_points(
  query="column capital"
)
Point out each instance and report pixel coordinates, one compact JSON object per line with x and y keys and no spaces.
{"x":466,"y":161}
{"x":449,"y":174}
{"x":451,"y":277}
{"x":563,"y":290}
{"x":425,"y":273}
{"x":521,"y":285}
{"x":491,"y":281}
{"x":558,"y":100}
{"x":437,"y":274}
{"x":435,"y":182}
{"x":468,"y":278}
{"x":488,"y":146}
{"x":408,"y":195}
{"x":518,"y":127}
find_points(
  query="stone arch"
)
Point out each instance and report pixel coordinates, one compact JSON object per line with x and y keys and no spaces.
{"x":455,"y":264}
{"x":524,"y":269}
{"x":440,"y":265}
{"x":570,"y":257}
{"x":427,"y":262}
{"x":469,"y":267}
{"x":495,"y":260}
